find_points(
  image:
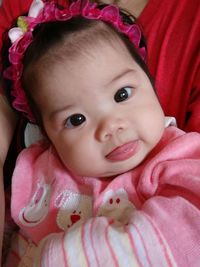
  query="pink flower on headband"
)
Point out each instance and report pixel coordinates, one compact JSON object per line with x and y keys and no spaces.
{"x":40,"y":12}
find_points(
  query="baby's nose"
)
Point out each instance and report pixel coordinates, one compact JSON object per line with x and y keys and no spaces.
{"x":110,"y":128}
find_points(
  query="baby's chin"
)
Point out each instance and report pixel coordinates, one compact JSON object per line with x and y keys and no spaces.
{"x":121,"y":170}
{"x":110,"y":174}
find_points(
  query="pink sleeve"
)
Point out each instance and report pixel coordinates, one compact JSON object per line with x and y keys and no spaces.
{"x":172,"y":194}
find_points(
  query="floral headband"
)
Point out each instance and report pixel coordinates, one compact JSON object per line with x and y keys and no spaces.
{"x":22,"y":36}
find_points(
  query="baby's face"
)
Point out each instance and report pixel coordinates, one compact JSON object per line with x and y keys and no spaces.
{"x":100,"y":112}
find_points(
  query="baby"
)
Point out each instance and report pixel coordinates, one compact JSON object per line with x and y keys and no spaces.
{"x":112,"y":183}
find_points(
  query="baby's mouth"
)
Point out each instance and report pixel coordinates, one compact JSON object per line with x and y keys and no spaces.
{"x":124,"y":151}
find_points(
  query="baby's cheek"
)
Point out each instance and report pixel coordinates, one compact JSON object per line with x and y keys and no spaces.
{"x":84,"y":161}
{"x":75,"y":157}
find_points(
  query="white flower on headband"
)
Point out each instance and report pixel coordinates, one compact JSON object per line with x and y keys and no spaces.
{"x":35,"y":8}
{"x":17,"y":32}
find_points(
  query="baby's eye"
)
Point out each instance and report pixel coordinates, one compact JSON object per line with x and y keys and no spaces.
{"x":74,"y":120}
{"x":123,"y":94}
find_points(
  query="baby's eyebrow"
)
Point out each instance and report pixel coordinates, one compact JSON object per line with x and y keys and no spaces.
{"x":120,"y":75}
{"x":55,"y":112}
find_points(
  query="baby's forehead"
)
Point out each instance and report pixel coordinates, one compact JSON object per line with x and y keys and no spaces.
{"x":99,"y":63}
{"x":86,"y":51}
{"x":86,"y":43}
{"x":81,"y":47}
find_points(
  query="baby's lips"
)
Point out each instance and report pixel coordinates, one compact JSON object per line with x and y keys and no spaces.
{"x":124,"y":152}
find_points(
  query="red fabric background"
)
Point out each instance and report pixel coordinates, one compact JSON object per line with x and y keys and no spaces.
{"x":172,"y":30}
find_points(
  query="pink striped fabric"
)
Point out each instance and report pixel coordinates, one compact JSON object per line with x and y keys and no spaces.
{"x":102,"y":242}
